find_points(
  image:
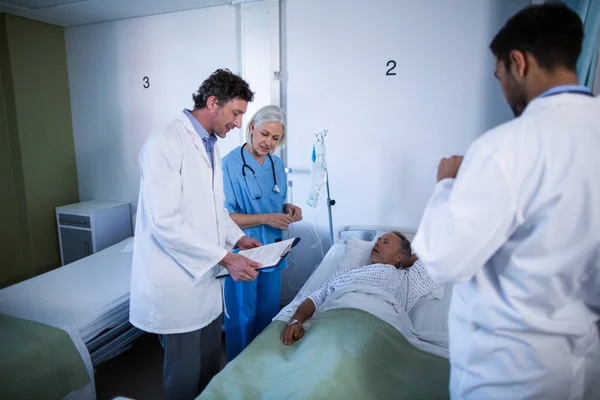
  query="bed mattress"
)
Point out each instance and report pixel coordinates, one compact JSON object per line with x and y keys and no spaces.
{"x":88,"y":296}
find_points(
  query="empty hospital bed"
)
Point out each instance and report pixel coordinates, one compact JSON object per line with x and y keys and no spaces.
{"x":346,"y":352}
{"x":88,"y":299}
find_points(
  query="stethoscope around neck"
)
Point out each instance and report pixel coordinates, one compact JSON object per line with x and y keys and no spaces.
{"x":582,"y":91}
{"x":244,"y":166}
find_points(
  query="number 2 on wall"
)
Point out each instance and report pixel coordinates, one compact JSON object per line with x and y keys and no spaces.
{"x":146,"y":82}
{"x":389,"y":71}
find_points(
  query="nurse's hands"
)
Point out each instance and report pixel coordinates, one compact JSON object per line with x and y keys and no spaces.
{"x":239,"y":267}
{"x":448,"y":167}
{"x":293,"y":211}
{"x":278,"y":220}
{"x":246,"y":243}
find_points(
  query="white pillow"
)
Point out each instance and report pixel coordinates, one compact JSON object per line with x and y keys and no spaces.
{"x":436,"y":294}
{"x":430,"y":314}
{"x":357,"y":254}
{"x":128,"y":246}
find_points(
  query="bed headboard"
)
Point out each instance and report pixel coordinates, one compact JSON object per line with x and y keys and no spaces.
{"x":370,"y":232}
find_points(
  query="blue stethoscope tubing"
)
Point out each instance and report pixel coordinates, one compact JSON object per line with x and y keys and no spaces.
{"x":571,"y":91}
{"x":244,"y":166}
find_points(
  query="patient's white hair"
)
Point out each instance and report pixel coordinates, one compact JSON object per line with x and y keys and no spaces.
{"x":267,"y":114}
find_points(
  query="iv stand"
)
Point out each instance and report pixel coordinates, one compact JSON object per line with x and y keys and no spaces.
{"x":330,"y":202}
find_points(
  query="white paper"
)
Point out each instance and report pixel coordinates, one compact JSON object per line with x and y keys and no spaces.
{"x":268,"y":255}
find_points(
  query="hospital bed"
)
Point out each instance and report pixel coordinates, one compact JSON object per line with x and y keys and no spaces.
{"x":88,"y":299}
{"x":346,"y":353}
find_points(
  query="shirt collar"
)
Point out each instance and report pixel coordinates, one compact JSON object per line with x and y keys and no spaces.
{"x":199,"y":128}
{"x":565,"y":88}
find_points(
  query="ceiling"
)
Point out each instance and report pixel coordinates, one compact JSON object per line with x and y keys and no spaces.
{"x":80,"y":12}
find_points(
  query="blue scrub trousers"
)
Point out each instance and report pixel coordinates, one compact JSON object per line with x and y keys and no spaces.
{"x":250,"y":307}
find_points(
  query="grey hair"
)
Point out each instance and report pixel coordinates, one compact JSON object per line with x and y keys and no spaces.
{"x":405,"y":247}
{"x":267,"y":114}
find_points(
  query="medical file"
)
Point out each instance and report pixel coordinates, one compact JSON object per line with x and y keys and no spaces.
{"x":269,"y":255}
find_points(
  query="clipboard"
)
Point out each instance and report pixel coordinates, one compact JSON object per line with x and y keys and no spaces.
{"x":270,"y":266}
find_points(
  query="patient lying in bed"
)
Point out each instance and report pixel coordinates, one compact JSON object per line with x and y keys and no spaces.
{"x":393,"y":272}
{"x":357,"y":330}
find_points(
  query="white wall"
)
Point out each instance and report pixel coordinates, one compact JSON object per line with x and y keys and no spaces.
{"x":113,"y":113}
{"x":386,"y":133}
{"x":260,"y":52}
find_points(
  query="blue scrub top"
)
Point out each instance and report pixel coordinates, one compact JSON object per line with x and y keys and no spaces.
{"x":237,"y":194}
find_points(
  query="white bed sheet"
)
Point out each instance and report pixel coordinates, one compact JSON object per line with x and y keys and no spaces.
{"x":80,"y":295}
{"x":107,"y":320}
{"x":82,"y":298}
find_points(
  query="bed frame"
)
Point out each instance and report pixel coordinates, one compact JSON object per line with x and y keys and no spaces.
{"x":112,"y":342}
{"x":370,"y":232}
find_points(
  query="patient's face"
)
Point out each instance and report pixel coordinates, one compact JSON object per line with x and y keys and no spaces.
{"x":387,"y":250}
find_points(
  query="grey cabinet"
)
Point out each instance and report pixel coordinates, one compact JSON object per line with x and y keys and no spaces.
{"x":76,"y":244}
{"x":88,"y":227}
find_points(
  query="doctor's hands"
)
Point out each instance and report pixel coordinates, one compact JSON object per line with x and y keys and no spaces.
{"x":239,"y":267}
{"x":278,"y":220}
{"x":448,"y":167}
{"x":293,"y":211}
{"x":246,"y":243}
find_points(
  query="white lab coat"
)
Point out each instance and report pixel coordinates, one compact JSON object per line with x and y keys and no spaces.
{"x":519,"y":230}
{"x":182,"y":232}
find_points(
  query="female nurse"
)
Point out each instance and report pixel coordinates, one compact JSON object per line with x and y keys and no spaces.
{"x":255,"y":185}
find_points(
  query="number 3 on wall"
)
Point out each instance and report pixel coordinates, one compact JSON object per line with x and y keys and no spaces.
{"x":393,"y":65}
{"x":146,"y":82}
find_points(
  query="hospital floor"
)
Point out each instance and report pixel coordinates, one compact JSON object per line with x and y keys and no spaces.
{"x":137,"y":373}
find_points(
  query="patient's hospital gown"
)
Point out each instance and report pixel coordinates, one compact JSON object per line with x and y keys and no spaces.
{"x":407,"y":286}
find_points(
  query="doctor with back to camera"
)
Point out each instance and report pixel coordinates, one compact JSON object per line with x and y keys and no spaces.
{"x":516,"y":225}
{"x":183,"y":231}
{"x":255,"y":185}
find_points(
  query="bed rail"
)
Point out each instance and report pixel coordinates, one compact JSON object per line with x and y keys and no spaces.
{"x":370,"y":232}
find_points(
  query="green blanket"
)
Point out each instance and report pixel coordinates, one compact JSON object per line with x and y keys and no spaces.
{"x":37,"y":361}
{"x":346,"y":354}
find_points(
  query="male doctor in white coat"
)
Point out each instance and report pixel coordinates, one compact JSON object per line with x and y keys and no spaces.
{"x":183,"y":232}
{"x":517,"y":227}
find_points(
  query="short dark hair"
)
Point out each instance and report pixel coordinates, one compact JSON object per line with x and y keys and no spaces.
{"x":405,"y":247}
{"x":225,"y":86}
{"x":552,"y":33}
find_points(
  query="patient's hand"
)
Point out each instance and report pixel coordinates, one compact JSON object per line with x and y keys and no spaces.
{"x":292,"y":333}
{"x":411,"y":261}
